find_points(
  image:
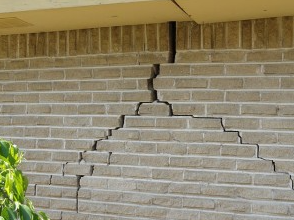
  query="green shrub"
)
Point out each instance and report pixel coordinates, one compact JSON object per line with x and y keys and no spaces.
{"x":13,"y":184}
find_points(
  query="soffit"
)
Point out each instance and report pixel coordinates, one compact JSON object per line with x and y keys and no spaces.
{"x":210,"y":11}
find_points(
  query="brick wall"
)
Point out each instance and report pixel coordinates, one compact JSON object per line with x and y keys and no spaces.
{"x":111,"y":130}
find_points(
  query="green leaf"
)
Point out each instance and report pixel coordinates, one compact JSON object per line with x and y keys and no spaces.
{"x":1,"y":218}
{"x":44,"y":216}
{"x":8,"y":214}
{"x":25,"y":212}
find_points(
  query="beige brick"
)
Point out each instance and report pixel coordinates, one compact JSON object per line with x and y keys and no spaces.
{"x":93,"y":86}
{"x":154,"y":187}
{"x":13,"y":109}
{"x":15,"y":87}
{"x":287,"y":83}
{"x":48,"y":167}
{"x":205,"y":123}
{"x":39,"y":109}
{"x":126,"y":135}
{"x":235,"y":206}
{"x":174,"y":70}
{"x":287,"y":31}
{"x":234,"y":178}
{"x":174,"y":175}
{"x":64,"y":109}
{"x":27,"y":98}
{"x":93,"y":61}
{"x":279,"y":96}
{"x":241,"y":123}
{"x":281,"y":69}
{"x":188,"y":109}
{"x":79,"y":144}
{"x":185,"y":162}
{"x":207,"y":70}
{"x":51,"y":74}
{"x":151,"y":212}
{"x":40,"y":202}
{"x":163,"y":83}
{"x":223,"y":164}
{"x":40,"y":86}
{"x":264,"y":56}
{"x":95,"y":157}
{"x":279,"y":209}
{"x":192,"y":57}
{"x":187,"y":136}
{"x":91,"y":109}
{"x":16,"y":64}
{"x":256,"y":109}
{"x":285,"y":138}
{"x":198,"y":204}
{"x":231,"y":56}
{"x":106,"y":97}
{"x":51,"y":97}
{"x":122,"y":84}
{"x":91,"y":207}
{"x":49,"y":120}
{"x":226,"y":83}
{"x":94,"y":182}
{"x":239,"y":151}
{"x":223,"y":109}
{"x":121,"y":184}
{"x":67,"y":62}
{"x":157,"y":161}
{"x":215,"y":216}
{"x":243,"y":69}
{"x":155,"y":135}
{"x":170,"y":202}
{"x":277,"y":124}
{"x":107,"y":196}
{"x":255,"y":165}
{"x":65,"y":156}
{"x":191,"y":83}
{"x":78,"y":169}
{"x":121,"y":159}
{"x":233,"y":34}
{"x":154,"y":109}
{"x":78,"y":97}
{"x":278,"y":180}
{"x":105,"y":170}
{"x":204,"y":149}
{"x":136,"y":172}
{"x":261,"y":83}
{"x":277,"y":152}
{"x":199,"y":176}
{"x":50,"y":144}
{"x":222,"y":137}
{"x":50,"y":191}
{"x":38,"y":155}
{"x":169,"y":123}
{"x":174,"y":95}
{"x":68,"y":133}
{"x":219,"y":35}
{"x":140,"y":147}
{"x":25,"y":75}
{"x":137,"y":122}
{"x":259,"y":137}
{"x":37,"y":132}
{"x":70,"y":181}
{"x":207,"y":36}
{"x":91,"y":133}
{"x":122,"y":108}
{"x":136,"y":198}
{"x":111,"y":146}
{"x":77,"y":121}
{"x":122,"y":59}
{"x":65,"y":86}
{"x":63,"y":204}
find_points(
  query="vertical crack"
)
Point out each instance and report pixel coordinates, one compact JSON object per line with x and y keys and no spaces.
{"x":77,"y":194}
{"x":172,"y":41}
{"x":108,"y":158}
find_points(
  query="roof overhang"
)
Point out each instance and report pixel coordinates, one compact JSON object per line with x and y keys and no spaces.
{"x":33,"y":16}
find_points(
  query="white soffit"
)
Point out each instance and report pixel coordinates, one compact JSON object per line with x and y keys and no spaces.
{"x":210,"y":11}
{"x":101,"y":15}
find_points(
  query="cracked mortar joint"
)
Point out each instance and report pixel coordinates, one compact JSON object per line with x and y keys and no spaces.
{"x":108,"y":158}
